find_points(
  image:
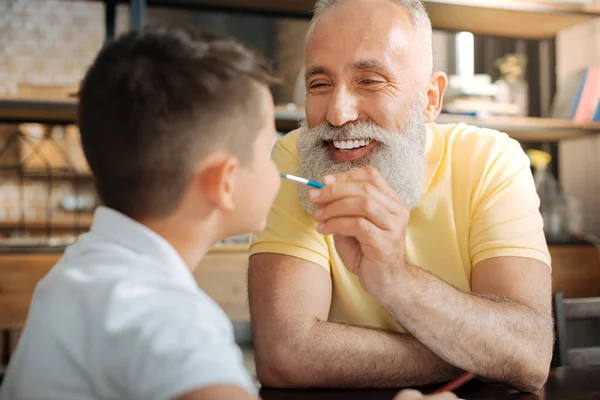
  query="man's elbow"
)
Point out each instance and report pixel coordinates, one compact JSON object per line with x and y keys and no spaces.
{"x":271,"y":375}
{"x":533,"y":380}
{"x":535,"y":374}
{"x":279,"y":366}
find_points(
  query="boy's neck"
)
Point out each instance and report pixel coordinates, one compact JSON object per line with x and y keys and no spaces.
{"x":189,"y":238}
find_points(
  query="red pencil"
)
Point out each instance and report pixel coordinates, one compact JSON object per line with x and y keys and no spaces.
{"x":458,"y":382}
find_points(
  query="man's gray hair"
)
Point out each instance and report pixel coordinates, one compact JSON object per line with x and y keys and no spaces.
{"x":415,"y":9}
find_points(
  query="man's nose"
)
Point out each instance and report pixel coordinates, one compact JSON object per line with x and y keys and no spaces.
{"x":342,"y":107}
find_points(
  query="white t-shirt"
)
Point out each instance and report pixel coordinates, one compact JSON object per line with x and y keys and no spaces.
{"x":121,"y":317}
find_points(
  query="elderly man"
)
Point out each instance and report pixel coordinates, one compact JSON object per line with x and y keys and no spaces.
{"x":424,"y":256}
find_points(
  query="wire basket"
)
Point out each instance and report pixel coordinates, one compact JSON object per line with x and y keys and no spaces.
{"x":47,"y":192}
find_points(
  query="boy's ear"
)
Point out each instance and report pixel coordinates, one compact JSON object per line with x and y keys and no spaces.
{"x":216,"y":178}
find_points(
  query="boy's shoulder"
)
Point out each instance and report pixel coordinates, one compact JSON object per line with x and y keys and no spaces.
{"x":95,"y":266}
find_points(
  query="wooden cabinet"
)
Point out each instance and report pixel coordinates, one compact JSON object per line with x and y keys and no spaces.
{"x":19,"y":273}
{"x":221,"y":274}
{"x":576,"y":270}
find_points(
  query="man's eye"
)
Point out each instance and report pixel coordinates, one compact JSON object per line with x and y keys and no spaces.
{"x":370,"y":82}
{"x":317,"y":85}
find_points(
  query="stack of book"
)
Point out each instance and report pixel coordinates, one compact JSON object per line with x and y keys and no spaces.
{"x":475,"y":96}
{"x":579,"y":98}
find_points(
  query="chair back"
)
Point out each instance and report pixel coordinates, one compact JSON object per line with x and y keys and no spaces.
{"x":577,"y":329}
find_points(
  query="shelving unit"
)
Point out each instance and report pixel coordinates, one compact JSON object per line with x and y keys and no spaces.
{"x":528,"y":19}
{"x":524,"y":19}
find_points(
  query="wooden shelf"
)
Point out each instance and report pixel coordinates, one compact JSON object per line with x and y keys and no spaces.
{"x":18,"y":110}
{"x":40,"y":173}
{"x":523,"y":129}
{"x":288,"y":118}
{"x":528,"y":19}
{"x":59,"y":221}
{"x":529,"y":129}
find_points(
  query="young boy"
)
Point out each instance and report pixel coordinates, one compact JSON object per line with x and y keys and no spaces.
{"x":177,"y":127}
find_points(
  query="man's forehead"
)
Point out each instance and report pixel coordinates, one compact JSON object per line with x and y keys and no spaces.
{"x":376,"y":53}
{"x":354,"y":43}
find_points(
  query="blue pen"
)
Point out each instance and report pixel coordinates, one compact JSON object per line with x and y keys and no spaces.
{"x":302,"y":180}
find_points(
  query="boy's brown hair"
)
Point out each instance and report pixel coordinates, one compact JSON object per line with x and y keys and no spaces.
{"x":155,"y":102}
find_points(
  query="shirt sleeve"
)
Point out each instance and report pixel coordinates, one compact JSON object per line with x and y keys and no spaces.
{"x":168,"y":342}
{"x":290,"y":229}
{"x":506,"y":221}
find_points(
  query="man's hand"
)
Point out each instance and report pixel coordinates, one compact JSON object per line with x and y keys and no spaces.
{"x":501,"y":330}
{"x":410,"y":394}
{"x":368,"y":222}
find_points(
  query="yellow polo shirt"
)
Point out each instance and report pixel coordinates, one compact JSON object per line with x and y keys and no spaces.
{"x":480,"y":202}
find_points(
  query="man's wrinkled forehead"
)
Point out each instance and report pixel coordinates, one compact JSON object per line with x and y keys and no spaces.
{"x":342,"y":35}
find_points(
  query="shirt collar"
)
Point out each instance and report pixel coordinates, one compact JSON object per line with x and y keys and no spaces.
{"x":434,"y":149}
{"x":122,"y":230}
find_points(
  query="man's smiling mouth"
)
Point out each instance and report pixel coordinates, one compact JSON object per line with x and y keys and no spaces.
{"x":345,"y":145}
{"x":350,"y":150}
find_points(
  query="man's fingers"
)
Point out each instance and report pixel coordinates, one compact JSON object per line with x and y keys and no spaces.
{"x":368,"y":208}
{"x":361,"y":228}
{"x":367,"y":174}
{"x":373,"y":208}
{"x":410,"y":394}
{"x":331,"y":193}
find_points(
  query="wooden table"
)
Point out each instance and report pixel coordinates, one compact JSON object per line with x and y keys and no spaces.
{"x":573,"y":383}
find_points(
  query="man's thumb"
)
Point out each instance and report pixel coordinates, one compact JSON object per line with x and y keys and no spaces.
{"x":409,"y":394}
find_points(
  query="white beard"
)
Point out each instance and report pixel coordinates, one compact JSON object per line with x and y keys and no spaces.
{"x":398,"y":156}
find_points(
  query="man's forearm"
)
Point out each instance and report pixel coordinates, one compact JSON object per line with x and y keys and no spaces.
{"x":498,"y":339}
{"x":335,"y":355}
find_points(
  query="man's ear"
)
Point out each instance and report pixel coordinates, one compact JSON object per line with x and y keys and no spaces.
{"x":435,"y":95}
{"x":216,"y":178}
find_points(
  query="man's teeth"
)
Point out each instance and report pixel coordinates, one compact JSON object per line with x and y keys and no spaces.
{"x":350,"y":144}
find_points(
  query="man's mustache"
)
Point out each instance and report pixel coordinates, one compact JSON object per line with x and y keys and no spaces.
{"x":353,"y":131}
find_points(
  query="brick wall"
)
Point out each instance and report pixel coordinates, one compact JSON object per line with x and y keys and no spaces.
{"x":47,"y":42}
